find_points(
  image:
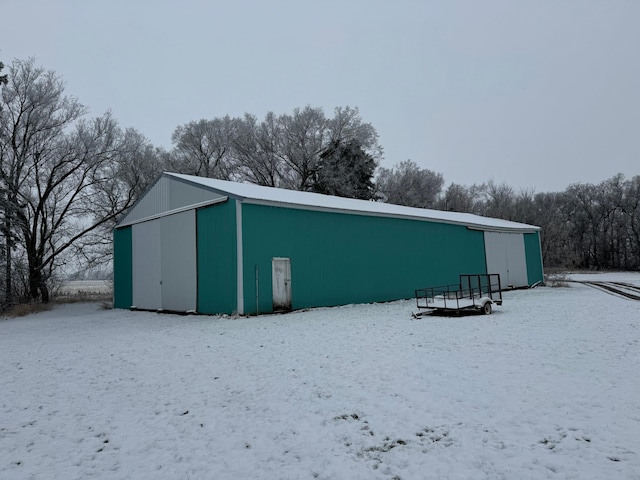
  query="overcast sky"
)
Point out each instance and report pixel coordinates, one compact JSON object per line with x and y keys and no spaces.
{"x":538,"y":94}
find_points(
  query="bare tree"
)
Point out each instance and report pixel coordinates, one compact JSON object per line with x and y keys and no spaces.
{"x":285,"y":151}
{"x":631,"y":208}
{"x":257,"y":148}
{"x":139,"y":163}
{"x":3,"y":78}
{"x":307,"y":135}
{"x":299,"y":150}
{"x":548,"y":212}
{"x":54,"y":169}
{"x":498,"y":200}
{"x":347,"y":127}
{"x":134,"y":166}
{"x":33,"y":117}
{"x":458,"y":198}
{"x":304,"y":138}
{"x":203,"y":148}
{"x":408,"y":184}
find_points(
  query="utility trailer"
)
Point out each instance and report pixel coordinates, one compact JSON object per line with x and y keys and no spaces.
{"x":475,"y":293}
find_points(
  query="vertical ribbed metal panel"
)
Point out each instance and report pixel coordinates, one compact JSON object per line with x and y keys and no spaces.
{"x":182,"y":194}
{"x":338,"y":259}
{"x":505,"y":255}
{"x":217,"y":257}
{"x":168,"y":194}
{"x":146,"y":265}
{"x":164,"y":263}
{"x":122,"y":268}
{"x":179,"y":283}
{"x":535,"y":270}
{"x":517,"y":260}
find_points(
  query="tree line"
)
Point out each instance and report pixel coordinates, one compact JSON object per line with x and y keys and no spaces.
{"x":586,"y":226}
{"x":66,"y":180}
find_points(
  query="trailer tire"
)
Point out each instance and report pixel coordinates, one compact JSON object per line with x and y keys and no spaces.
{"x":486,"y":308}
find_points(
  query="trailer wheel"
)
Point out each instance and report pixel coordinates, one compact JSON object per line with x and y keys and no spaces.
{"x":486,"y":308}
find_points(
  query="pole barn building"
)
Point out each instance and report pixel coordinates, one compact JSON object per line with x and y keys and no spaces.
{"x":193,"y":244}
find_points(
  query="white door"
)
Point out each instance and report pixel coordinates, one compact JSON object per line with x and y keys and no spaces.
{"x":146,"y":265}
{"x":505,"y":255}
{"x":178,"y":260}
{"x":281,"y":281}
{"x":164,"y":263}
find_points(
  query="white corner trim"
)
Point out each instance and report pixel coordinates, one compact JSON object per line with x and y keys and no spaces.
{"x":240,"y":279}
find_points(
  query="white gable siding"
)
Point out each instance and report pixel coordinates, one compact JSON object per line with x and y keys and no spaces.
{"x":168,"y":194}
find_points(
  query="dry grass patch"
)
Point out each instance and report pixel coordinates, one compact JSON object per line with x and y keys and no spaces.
{"x":84,"y":297}
{"x":25,"y":309}
{"x":559,"y":279}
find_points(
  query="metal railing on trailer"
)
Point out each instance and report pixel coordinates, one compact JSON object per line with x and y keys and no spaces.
{"x":474,"y":292}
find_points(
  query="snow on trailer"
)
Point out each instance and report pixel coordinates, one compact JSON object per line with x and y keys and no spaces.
{"x":477,"y":292}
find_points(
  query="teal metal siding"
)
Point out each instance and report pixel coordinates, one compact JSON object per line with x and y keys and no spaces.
{"x":216,"y":258}
{"x":338,"y":258}
{"x":534,"y":257}
{"x":122,"y":268}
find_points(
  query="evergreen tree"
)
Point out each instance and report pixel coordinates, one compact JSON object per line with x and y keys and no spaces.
{"x":345,"y":170}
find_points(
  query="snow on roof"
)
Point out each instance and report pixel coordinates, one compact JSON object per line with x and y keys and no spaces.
{"x":251,"y":193}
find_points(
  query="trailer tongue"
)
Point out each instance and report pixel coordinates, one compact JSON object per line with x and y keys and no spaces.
{"x":476,"y":293}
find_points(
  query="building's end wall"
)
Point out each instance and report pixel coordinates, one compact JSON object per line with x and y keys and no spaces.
{"x":535,"y":271}
{"x":122,"y":268}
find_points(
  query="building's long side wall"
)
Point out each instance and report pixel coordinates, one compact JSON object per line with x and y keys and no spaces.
{"x":535,"y":272}
{"x":122,"y":268}
{"x":339,"y":259}
{"x":216,"y":258}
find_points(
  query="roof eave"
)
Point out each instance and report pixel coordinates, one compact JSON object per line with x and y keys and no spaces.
{"x":470,"y":225}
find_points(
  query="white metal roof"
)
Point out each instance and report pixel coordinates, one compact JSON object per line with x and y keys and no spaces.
{"x":250,"y":193}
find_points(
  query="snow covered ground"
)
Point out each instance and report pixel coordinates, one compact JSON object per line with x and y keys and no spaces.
{"x":548,"y":386}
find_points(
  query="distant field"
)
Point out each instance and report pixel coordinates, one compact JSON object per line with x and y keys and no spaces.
{"x":95,"y":287}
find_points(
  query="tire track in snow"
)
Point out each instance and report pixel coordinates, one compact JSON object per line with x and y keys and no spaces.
{"x":619,"y":289}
